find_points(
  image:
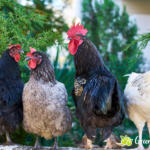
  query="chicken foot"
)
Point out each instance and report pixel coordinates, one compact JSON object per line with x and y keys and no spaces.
{"x":113,"y":142}
{"x":55,"y":147}
{"x":8,"y":140}
{"x":85,"y":143}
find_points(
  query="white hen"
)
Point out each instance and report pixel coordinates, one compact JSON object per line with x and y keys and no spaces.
{"x":137,"y":98}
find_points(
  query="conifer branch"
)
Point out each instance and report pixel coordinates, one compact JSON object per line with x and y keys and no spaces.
{"x":35,"y":41}
{"x":143,"y":40}
{"x":32,"y":43}
{"x":14,"y":21}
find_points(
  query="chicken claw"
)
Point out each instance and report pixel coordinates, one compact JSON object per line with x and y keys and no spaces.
{"x":113,"y":142}
{"x":9,"y":143}
{"x":85,"y":143}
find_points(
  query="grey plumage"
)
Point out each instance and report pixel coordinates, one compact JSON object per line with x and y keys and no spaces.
{"x":44,"y":102}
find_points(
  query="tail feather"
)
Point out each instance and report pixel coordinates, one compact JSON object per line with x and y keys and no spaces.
{"x":106,"y":132}
{"x":126,"y":75}
{"x":125,"y":107}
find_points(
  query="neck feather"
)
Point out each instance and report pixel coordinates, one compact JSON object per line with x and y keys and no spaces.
{"x":88,"y":59}
{"x":44,"y":71}
{"x":9,"y":67}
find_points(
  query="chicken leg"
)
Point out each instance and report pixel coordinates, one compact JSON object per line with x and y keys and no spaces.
{"x":55,"y":147}
{"x":8,"y":140}
{"x":140,"y":126}
{"x":37,"y":144}
{"x":148,"y":125}
{"x":140,"y":139}
{"x":85,"y":143}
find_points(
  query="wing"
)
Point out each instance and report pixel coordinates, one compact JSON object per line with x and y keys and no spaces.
{"x":10,"y":95}
{"x":142,"y":81}
{"x":4,"y":94}
{"x":101,"y":95}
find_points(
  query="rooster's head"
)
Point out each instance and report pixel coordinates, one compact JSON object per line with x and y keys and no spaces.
{"x":34,"y":58}
{"x":14,"y":51}
{"x":74,"y":35}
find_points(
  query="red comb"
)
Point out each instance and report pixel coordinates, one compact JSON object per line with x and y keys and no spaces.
{"x":77,"y":29}
{"x":32,"y":51}
{"x":18,"y":46}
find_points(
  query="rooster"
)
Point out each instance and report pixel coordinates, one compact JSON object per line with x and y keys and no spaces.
{"x":11,"y":88}
{"x":97,"y":94}
{"x":137,"y":92}
{"x":44,"y":101}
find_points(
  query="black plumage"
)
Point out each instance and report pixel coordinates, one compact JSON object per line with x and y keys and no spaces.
{"x":97,"y":95}
{"x":11,"y":88}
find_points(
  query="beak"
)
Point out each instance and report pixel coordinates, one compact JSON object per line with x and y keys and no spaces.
{"x":21,"y":51}
{"x":69,"y":38}
{"x":27,"y":58}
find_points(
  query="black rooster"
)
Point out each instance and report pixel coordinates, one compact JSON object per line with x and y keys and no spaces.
{"x":11,"y":88}
{"x":97,"y":94}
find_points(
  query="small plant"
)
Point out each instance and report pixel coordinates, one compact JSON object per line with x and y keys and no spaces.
{"x":143,"y":40}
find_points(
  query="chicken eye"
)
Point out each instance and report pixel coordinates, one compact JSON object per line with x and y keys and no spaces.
{"x":13,"y":50}
{"x":77,"y":37}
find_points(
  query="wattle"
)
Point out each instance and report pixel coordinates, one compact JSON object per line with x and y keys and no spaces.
{"x":17,"y":57}
{"x":32,"y":64}
{"x":73,"y":46}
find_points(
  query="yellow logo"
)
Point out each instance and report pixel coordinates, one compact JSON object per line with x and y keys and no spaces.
{"x":125,"y":140}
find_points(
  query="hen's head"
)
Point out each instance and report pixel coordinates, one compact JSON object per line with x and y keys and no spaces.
{"x":41,"y":67}
{"x":74,"y":35}
{"x":14,"y":51}
{"x":34,"y":58}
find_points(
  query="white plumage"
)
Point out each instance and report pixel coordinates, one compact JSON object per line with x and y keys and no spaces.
{"x":137,"y":98}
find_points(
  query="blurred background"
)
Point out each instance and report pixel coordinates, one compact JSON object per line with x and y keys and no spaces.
{"x":111,"y":24}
